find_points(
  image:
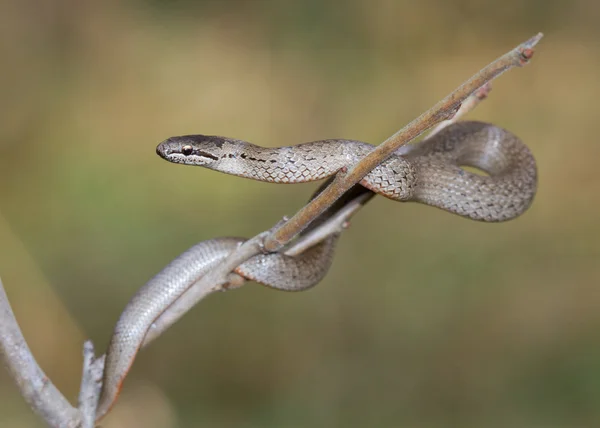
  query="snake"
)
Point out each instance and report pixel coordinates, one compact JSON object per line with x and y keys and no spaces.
{"x":430,"y":172}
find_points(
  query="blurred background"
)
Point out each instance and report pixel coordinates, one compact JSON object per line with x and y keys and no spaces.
{"x":425,"y":320}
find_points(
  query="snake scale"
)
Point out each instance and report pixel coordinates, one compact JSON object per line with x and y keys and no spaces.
{"x":428,"y":172}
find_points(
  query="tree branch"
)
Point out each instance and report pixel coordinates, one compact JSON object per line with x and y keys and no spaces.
{"x":39,"y":392}
{"x":443,"y":110}
{"x":91,"y":384}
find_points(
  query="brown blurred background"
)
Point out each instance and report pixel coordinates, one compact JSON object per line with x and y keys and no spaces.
{"x":425,"y":320}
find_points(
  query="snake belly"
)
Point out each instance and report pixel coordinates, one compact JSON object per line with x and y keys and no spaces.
{"x":428,"y":172}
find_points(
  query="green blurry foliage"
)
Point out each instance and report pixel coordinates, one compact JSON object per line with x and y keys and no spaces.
{"x":426,"y":319}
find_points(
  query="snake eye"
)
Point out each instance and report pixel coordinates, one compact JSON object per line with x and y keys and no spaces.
{"x":187,"y":150}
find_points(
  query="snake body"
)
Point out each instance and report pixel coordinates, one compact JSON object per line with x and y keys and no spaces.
{"x":428,"y":172}
{"x":275,"y":270}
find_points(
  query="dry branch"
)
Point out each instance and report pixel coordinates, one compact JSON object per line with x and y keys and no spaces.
{"x":41,"y":394}
{"x":443,"y":110}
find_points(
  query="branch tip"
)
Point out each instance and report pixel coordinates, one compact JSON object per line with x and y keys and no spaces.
{"x":526,"y":50}
{"x":533,"y":41}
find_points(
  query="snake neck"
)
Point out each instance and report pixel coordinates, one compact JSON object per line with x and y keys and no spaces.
{"x":289,"y":164}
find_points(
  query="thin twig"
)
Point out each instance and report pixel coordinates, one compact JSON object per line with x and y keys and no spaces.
{"x":443,"y":110}
{"x":91,"y":384}
{"x":468,"y":105}
{"x":333,"y":226}
{"x":227,"y":280}
{"x":39,"y":392}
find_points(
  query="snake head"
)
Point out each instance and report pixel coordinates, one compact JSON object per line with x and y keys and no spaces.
{"x":202,"y":150}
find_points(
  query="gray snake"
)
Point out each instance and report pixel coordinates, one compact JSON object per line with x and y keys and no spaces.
{"x":428,"y":172}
